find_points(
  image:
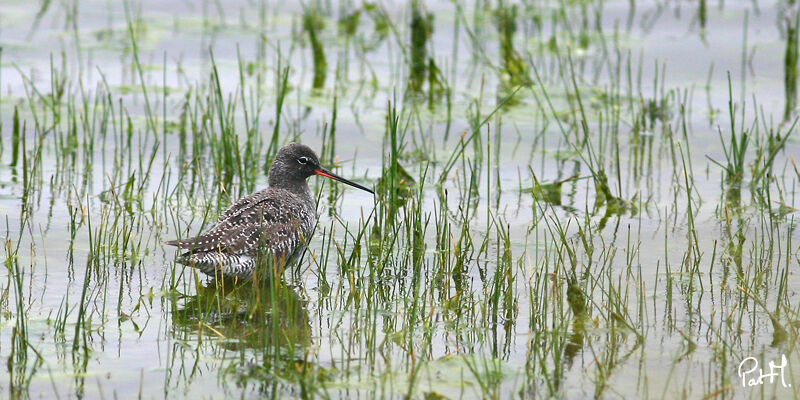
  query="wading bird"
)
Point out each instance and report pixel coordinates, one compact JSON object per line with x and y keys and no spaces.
{"x":271,"y":226}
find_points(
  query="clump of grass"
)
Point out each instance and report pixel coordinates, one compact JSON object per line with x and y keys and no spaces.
{"x":549,"y":192}
{"x":421,"y":30}
{"x":515,"y":69}
{"x":436,"y":85}
{"x":790,"y":66}
{"x":381,"y":24}
{"x":313,"y":24}
{"x":615,"y":205}
{"x":735,"y":151}
{"x":767,"y":146}
{"x":348,"y":24}
{"x":766,"y":152}
{"x":20,"y":371}
{"x":396,"y":185}
{"x":701,"y":16}
{"x":15,"y":139}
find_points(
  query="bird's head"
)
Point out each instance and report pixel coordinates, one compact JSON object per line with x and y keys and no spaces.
{"x":295,"y":162}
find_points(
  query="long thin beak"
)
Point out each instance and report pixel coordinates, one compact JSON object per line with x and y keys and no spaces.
{"x":328,"y":174}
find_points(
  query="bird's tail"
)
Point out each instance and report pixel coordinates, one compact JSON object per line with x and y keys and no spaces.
{"x":182,"y":243}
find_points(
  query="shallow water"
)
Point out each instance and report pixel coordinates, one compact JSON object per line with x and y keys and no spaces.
{"x":675,"y":297}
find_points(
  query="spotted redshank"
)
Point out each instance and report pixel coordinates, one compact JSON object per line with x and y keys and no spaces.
{"x":272,"y":225}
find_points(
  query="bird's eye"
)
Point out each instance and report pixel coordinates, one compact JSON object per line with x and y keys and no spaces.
{"x":303,"y":160}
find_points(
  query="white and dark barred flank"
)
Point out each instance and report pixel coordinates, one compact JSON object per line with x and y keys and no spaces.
{"x":241,"y":266}
{"x":221,"y":264}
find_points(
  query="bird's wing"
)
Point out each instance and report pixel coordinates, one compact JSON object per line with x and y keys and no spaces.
{"x":278,"y":238}
{"x":239,"y":210}
{"x":267,"y":220}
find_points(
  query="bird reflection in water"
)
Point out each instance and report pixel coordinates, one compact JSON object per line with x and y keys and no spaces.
{"x":259,"y":331}
{"x":245,"y":314}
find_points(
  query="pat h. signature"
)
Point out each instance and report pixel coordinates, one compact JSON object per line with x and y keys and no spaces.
{"x":752,"y":375}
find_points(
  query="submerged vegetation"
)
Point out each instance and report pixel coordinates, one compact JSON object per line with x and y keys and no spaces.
{"x":570,"y":202}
